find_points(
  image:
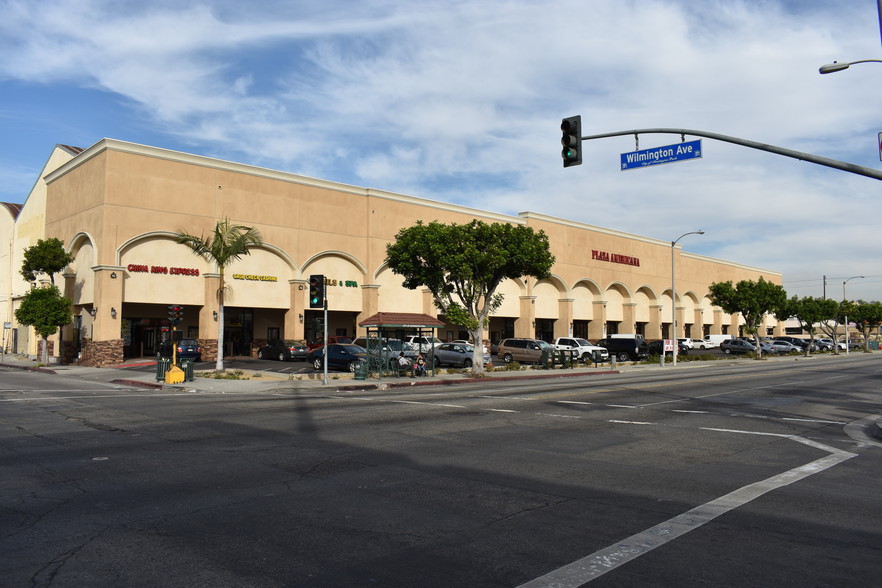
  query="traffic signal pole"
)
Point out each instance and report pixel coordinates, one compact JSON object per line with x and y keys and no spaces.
{"x":816,"y":159}
{"x":325,"y":354}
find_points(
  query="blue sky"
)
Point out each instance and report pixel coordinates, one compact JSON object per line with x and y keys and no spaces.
{"x":461,"y":101}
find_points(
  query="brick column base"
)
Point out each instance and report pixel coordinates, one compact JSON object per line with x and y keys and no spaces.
{"x":209,"y":349}
{"x":102,"y":353}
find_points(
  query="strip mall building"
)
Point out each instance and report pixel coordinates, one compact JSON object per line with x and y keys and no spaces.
{"x":117,"y":207}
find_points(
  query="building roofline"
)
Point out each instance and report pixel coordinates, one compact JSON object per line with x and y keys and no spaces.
{"x":107,"y":144}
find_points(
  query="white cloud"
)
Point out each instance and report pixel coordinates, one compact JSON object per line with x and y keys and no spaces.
{"x":460,"y":101}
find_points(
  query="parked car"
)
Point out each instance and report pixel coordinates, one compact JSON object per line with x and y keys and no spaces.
{"x":457,"y":354}
{"x":341,"y":339}
{"x":524,"y":350}
{"x":485,"y":344}
{"x":736,"y":346}
{"x":422,"y":344}
{"x":821,"y":345}
{"x":582,"y":348}
{"x":711,"y":341}
{"x":767,"y":348}
{"x":784,"y":346}
{"x":831,"y":343}
{"x":386,"y":351}
{"x":656,"y":347}
{"x":341,"y":356}
{"x":625,"y":349}
{"x":801,"y":343}
{"x":690,"y":343}
{"x":283,"y":350}
{"x":186,"y":349}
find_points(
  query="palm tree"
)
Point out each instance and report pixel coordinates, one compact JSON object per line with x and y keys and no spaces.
{"x":228,"y":243}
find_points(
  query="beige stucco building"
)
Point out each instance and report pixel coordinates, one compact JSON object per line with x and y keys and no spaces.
{"x":118,"y":205}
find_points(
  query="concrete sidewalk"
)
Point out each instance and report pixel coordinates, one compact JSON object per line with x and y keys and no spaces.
{"x":260,"y":381}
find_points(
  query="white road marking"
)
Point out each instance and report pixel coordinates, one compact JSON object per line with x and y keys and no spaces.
{"x":620,"y":406}
{"x":426,"y":403}
{"x":501,"y":410}
{"x":630,"y":422}
{"x":692,"y":411}
{"x":815,"y":421}
{"x":595,"y":565}
{"x":573,"y":402}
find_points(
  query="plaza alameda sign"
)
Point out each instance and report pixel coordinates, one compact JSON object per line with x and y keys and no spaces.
{"x":664,"y":154}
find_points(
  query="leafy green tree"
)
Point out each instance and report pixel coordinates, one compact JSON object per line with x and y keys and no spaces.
{"x":225,"y":245}
{"x":867,"y":316}
{"x":810,"y":312}
{"x":46,"y":310}
{"x":753,"y":300}
{"x":46,"y":257}
{"x":463,"y":265}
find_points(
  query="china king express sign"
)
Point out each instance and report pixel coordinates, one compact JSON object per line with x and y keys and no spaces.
{"x":136,"y":268}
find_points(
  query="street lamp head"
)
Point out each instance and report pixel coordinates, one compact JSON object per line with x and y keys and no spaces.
{"x":836,"y":66}
{"x":832,"y":67}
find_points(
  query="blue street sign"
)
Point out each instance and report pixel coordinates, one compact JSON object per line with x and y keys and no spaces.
{"x":657,"y":155}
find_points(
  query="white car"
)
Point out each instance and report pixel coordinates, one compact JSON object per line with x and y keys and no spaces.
{"x":422,"y":344}
{"x":581,"y":348}
{"x":687,"y":342}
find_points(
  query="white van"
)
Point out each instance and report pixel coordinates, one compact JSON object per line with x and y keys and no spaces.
{"x":711,"y":341}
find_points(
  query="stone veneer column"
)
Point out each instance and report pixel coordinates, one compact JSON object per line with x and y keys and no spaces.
{"x":207,"y":323}
{"x":106,"y":346}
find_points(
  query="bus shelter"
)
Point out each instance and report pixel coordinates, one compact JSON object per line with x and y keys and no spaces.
{"x":385,"y":335}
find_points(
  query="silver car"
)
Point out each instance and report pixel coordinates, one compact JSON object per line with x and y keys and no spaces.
{"x":457,"y":354}
{"x":784,"y":346}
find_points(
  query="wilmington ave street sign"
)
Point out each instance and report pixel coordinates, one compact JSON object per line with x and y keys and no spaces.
{"x":657,"y":155}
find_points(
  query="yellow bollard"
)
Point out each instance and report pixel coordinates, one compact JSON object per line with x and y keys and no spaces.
{"x":174,"y":376}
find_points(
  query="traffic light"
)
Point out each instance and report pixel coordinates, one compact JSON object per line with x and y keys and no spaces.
{"x":571,"y":139}
{"x":316,"y":291}
{"x":175,"y":314}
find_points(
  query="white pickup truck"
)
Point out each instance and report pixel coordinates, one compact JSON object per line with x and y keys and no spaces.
{"x":582,"y":348}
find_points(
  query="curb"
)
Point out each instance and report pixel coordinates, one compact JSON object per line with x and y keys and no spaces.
{"x":137,"y":383}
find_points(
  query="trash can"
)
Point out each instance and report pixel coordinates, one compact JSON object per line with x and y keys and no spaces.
{"x":187,"y":366}
{"x":546,"y":359}
{"x":361,"y":370}
{"x":162,"y":365}
{"x":565,"y":359}
{"x":874,"y":345}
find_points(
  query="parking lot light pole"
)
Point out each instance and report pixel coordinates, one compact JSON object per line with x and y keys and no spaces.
{"x":843,"y":299}
{"x":674,"y":294}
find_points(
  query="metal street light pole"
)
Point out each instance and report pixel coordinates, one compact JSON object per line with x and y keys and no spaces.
{"x":674,"y":294}
{"x":843,"y":299}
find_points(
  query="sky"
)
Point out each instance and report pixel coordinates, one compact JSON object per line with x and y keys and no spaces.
{"x":461,"y":101}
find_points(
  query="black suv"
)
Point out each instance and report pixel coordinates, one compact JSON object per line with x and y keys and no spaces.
{"x":625,"y":348}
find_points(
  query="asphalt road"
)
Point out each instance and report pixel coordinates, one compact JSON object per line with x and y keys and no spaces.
{"x":736,"y":475}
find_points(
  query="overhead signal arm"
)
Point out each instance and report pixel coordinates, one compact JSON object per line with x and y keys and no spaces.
{"x":816,"y":159}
